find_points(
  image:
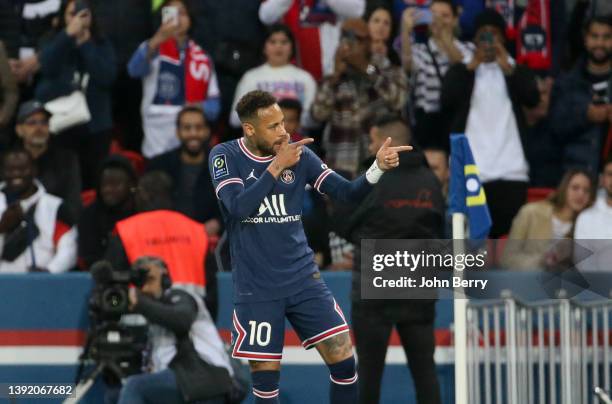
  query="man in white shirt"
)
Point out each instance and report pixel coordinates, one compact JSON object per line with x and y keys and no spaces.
{"x":493,"y":119}
{"x":37,"y":232}
{"x":593,"y":230}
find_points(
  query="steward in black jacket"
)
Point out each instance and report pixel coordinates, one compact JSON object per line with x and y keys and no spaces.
{"x":407,"y":203}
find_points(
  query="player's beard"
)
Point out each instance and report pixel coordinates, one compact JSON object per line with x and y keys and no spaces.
{"x":268,"y":149}
{"x":265,"y":148}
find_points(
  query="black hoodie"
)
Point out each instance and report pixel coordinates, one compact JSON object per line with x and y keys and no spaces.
{"x":97,"y":220}
{"x":406,"y":203}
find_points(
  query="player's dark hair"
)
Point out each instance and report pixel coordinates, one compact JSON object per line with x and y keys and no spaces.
{"x":292,"y":104}
{"x":252,"y":102}
{"x":276,"y":28}
{"x":187,"y":109}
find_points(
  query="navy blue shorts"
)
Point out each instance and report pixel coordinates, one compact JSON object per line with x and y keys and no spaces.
{"x":259,"y":328}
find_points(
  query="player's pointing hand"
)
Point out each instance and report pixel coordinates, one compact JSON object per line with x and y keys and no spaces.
{"x":387,"y":156}
{"x":287,"y":156}
{"x":302,"y":142}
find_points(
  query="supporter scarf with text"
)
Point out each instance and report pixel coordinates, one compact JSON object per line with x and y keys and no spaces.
{"x":533,"y":40}
{"x":182,"y":81}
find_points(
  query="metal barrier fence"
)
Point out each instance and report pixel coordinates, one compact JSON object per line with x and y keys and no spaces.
{"x":547,"y":352}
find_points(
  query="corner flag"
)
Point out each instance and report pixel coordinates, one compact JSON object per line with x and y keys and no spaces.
{"x":467,"y":195}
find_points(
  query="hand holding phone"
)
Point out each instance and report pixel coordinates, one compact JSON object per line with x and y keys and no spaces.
{"x":486,"y":42}
{"x":80,"y":21}
{"x":168,"y":28}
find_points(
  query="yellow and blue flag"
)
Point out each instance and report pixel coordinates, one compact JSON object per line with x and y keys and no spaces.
{"x":466,"y":193}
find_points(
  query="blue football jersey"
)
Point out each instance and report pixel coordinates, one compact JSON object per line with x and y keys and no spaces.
{"x":270,"y":256}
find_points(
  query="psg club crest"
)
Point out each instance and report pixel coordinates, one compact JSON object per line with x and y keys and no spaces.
{"x":287,"y":176}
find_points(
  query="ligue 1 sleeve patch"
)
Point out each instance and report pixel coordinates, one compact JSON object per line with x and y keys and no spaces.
{"x":219,"y":166}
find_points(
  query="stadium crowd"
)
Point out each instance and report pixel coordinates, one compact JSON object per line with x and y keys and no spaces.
{"x":528,"y":83}
{"x":94,"y":94}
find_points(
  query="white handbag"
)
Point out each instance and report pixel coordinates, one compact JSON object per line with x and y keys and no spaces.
{"x":69,"y":110}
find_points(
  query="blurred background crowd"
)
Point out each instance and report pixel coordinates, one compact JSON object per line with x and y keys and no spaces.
{"x":95,"y":94}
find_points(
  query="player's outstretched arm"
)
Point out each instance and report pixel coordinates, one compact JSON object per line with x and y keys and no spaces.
{"x":343,"y":190}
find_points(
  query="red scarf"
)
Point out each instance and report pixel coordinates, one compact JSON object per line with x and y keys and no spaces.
{"x":506,"y":9}
{"x":304,"y":18}
{"x":198,"y":68}
{"x":533,"y":41}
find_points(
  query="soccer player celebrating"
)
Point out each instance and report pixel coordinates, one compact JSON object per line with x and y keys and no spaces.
{"x":260,"y":180}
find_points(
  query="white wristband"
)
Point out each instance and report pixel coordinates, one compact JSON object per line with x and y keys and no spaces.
{"x":374,"y":173}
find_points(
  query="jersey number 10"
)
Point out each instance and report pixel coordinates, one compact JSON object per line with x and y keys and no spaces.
{"x":262,"y":331}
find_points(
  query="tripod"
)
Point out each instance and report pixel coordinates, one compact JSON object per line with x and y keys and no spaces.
{"x":602,"y":395}
{"x":110,"y":355}
{"x":85,"y":384}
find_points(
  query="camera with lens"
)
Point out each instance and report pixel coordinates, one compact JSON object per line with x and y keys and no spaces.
{"x":109,"y":298}
{"x":116,"y":338}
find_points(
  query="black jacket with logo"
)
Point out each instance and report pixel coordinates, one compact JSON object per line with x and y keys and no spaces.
{"x":407,"y":203}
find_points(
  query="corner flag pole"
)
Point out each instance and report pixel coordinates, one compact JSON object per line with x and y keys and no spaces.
{"x":460,"y":315}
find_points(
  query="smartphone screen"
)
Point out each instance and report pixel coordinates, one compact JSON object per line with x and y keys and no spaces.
{"x":423,"y":16}
{"x":486,"y":38}
{"x":170,"y":14}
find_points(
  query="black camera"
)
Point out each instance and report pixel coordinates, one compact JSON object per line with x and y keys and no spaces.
{"x":112,"y":342}
{"x":109,"y":298}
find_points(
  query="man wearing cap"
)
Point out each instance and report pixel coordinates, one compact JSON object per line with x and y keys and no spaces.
{"x":484,"y":99}
{"x":58,"y":169}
